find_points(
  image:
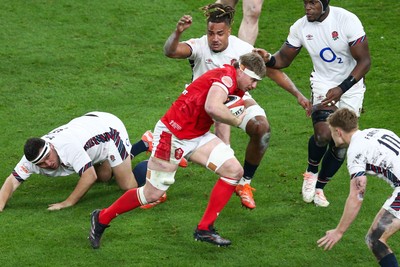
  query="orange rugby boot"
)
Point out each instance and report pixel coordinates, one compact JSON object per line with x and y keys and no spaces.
{"x":245,"y":192}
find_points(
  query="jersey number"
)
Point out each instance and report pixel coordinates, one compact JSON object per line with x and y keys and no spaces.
{"x":390,"y":142}
{"x":329,"y":56}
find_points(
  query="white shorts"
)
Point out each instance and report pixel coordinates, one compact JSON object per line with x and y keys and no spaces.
{"x":392,"y":203}
{"x":168,"y":147}
{"x":352,"y":99}
{"x":117,"y":148}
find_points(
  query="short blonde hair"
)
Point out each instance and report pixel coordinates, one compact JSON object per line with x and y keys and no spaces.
{"x":343,"y":118}
{"x":254,"y":62}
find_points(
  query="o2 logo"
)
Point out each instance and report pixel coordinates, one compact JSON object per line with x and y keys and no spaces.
{"x":329,"y":56}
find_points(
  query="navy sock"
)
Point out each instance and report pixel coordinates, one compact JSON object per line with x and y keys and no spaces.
{"x":249,"y":170}
{"x":389,"y":261}
{"x":138,"y":148}
{"x":315,"y":154}
{"x":140,"y":171}
{"x":330,"y":165}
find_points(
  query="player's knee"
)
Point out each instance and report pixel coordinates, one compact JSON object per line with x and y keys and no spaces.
{"x":103,"y":172}
{"x":104,"y":176}
{"x":128,"y":185}
{"x":322,"y":137}
{"x":259,"y":131}
{"x":252,"y":12}
{"x":321,"y":141}
{"x":258,"y":127}
{"x":238,"y":171}
{"x":371,"y":241}
{"x":103,"y":179}
{"x":232,"y":169}
{"x":339,"y":153}
{"x":375,"y":244}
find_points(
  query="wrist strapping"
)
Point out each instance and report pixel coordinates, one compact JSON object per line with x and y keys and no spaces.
{"x":347,"y":83}
{"x":271,"y":62}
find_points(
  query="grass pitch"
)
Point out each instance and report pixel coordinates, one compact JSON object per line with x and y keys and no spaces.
{"x":60,"y":59}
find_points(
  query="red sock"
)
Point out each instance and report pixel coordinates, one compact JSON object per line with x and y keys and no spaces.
{"x":220,"y":196}
{"x":128,"y":201}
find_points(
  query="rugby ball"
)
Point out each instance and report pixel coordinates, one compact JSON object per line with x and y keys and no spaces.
{"x":235,"y":104}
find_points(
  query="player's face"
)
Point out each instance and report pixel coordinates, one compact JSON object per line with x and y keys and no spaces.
{"x":217,"y":36}
{"x":50,"y":161}
{"x":245,"y":82}
{"x":313,"y":9}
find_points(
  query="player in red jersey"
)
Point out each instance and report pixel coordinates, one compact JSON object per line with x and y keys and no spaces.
{"x":184,"y":131}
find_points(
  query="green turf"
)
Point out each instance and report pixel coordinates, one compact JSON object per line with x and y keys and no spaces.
{"x":60,"y":59}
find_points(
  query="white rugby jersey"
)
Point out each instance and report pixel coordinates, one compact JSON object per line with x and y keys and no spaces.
{"x":81,"y":143}
{"x":377,"y":152}
{"x":327,"y":42}
{"x":205,"y":59}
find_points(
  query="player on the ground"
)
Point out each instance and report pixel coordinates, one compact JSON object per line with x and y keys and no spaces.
{"x":213,"y":50}
{"x":184,"y":131}
{"x":337,"y":44}
{"x":96,"y":146}
{"x":370,"y":151}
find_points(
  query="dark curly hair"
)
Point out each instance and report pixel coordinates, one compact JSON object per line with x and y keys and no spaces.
{"x":217,"y":13}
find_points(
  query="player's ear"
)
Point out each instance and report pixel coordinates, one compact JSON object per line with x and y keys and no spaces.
{"x":339,"y":131}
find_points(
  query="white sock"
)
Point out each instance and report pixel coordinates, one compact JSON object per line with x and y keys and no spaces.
{"x":244,"y":181}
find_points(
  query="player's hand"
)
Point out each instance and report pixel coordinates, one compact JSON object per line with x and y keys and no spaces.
{"x":330,"y":239}
{"x":332,"y":97}
{"x":263,"y":53}
{"x":58,"y":206}
{"x":305,"y":103}
{"x":184,"y":23}
{"x":240,"y":118}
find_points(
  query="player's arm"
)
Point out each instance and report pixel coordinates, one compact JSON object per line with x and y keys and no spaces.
{"x":88,"y":178}
{"x":284,"y":57}
{"x":8,"y":188}
{"x":215,"y":107}
{"x":223,"y":131}
{"x":282,"y":80}
{"x":173,"y":48}
{"x":281,"y":59}
{"x":360,"y":52}
{"x":350,"y":212}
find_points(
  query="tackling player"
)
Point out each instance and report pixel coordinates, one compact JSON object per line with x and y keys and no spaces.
{"x":96,"y":146}
{"x":184,"y":132}
{"x":213,"y":50}
{"x":338,"y":47}
{"x":370,"y":151}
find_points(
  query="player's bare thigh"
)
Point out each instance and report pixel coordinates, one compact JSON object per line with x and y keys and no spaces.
{"x":103,"y":171}
{"x":122,"y":173}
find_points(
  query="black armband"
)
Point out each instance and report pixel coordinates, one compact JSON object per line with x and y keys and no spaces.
{"x":347,"y":83}
{"x":271,"y":62}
